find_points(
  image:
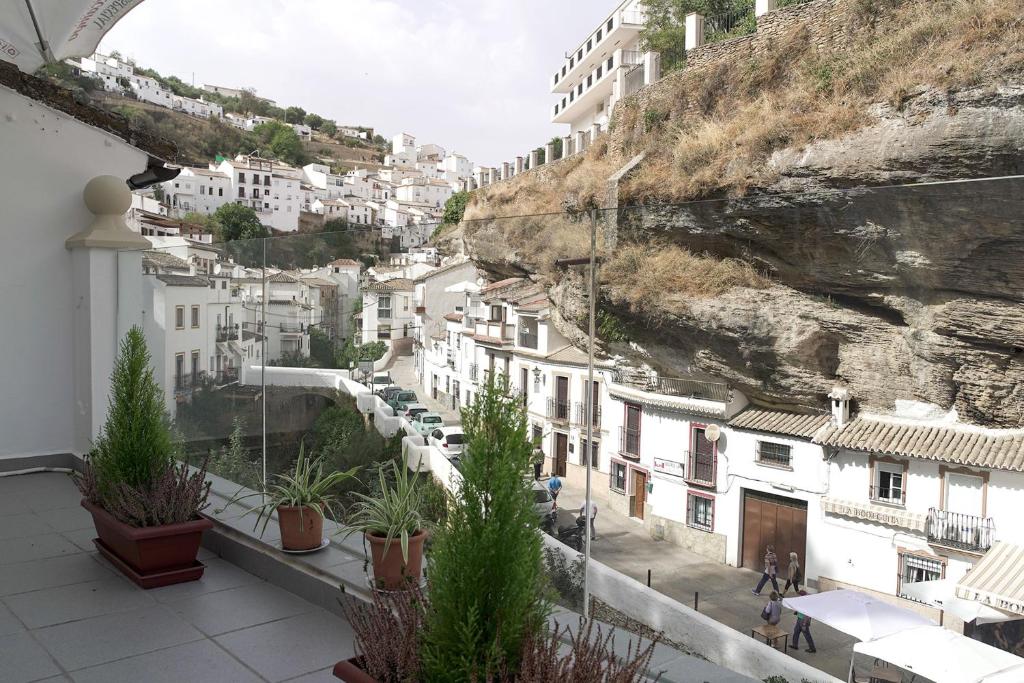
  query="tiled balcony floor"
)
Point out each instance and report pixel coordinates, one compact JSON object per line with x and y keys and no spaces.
{"x":68,"y":615}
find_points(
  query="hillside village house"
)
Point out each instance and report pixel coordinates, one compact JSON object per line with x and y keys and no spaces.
{"x":868,"y":502}
{"x":388,"y":312}
{"x":198,"y":190}
{"x":606,"y":66}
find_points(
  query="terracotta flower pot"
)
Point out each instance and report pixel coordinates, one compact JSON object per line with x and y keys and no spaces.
{"x":390,"y":572}
{"x":303,"y":531}
{"x":150,"y":556}
{"x":351,"y":671}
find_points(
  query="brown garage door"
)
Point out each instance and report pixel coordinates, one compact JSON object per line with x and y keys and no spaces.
{"x":779,"y":521}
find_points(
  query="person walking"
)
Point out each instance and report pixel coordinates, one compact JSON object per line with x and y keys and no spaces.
{"x":538,"y":461}
{"x":593,"y":515}
{"x":771,"y":568}
{"x":795,"y":576}
{"x":554,"y":488}
{"x":803,"y":625}
{"x":772,"y":612}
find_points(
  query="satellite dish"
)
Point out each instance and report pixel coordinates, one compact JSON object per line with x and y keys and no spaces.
{"x":712,"y":433}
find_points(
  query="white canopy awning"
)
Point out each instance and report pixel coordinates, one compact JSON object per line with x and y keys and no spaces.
{"x":857,"y":614}
{"x":941,"y":594}
{"x":997,"y":580}
{"x":942,"y":656}
{"x":33,"y":32}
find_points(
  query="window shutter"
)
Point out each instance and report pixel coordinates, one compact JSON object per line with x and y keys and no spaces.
{"x":689,"y":508}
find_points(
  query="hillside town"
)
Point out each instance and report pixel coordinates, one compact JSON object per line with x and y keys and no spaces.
{"x":732,"y":358}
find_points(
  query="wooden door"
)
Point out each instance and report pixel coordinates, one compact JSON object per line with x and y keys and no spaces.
{"x":769,"y":519}
{"x":639,"y":493}
{"x":561,"y":453}
{"x":561,"y":398}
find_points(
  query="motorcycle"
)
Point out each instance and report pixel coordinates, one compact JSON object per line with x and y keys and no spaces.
{"x":567,"y":530}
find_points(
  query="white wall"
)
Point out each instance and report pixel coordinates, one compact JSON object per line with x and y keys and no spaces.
{"x":37,"y":412}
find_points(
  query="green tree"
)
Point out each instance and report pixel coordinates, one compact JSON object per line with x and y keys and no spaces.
{"x":455,"y":208}
{"x":134,"y":445}
{"x":282,"y":141}
{"x":238,"y":222}
{"x":321,"y":350}
{"x":664,"y":31}
{"x":207,"y":222}
{"x":556,"y":143}
{"x":294,"y":115}
{"x":329,"y":128}
{"x":487,"y":589}
{"x":314,"y":121}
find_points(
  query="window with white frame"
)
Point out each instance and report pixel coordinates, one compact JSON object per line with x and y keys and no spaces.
{"x":384,"y":307}
{"x":774,"y":454}
{"x":618,"y":477}
{"x":918,"y":568}
{"x":179,"y":317}
{"x":700,"y":511}
{"x":889,"y":485}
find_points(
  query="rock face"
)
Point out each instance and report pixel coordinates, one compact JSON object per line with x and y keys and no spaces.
{"x":901,"y":292}
{"x":912,"y":292}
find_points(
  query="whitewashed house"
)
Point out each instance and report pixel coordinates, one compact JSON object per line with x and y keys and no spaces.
{"x":388,"y":311}
{"x":200,"y":190}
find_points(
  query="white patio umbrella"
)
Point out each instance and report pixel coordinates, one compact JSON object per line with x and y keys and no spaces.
{"x":941,"y":593}
{"x":857,"y":614}
{"x":942,"y":656}
{"x":34,"y":32}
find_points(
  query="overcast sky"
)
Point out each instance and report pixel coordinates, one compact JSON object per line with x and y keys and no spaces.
{"x":470,"y":75}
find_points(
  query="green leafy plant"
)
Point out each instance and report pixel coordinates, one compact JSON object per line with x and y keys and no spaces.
{"x":394,"y":513}
{"x":487,"y":591}
{"x":309,"y":487}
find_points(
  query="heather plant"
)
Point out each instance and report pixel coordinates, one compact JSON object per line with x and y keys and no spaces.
{"x":590,"y":658}
{"x":487,"y":591}
{"x":175,"y":495}
{"x":387,"y":632}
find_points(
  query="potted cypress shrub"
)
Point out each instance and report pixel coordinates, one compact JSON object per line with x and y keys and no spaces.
{"x":301,"y":500}
{"x":145,"y":505}
{"x":393,"y":526}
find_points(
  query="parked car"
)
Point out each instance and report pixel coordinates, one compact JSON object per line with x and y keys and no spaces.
{"x":448,"y":439}
{"x":424,"y":423}
{"x":381,"y":380}
{"x":412,"y":410}
{"x":402,"y":399}
{"x":388,"y":393}
{"x":543,"y":503}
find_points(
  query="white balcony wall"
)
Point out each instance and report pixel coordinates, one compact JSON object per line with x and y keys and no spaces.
{"x":43,"y":357}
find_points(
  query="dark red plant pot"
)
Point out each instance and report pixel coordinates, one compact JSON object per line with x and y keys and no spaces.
{"x":150,"y":556}
{"x":351,"y":671}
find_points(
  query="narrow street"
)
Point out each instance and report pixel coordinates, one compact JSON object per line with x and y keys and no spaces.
{"x":723,"y":592}
{"x":403,"y":373}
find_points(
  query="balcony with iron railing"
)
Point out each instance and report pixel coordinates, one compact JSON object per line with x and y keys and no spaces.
{"x":496,"y":330}
{"x":527,"y":339}
{"x":629,"y":443}
{"x":292,"y":328}
{"x":579,"y":414}
{"x":969,"y":533}
{"x":672,"y":386}
{"x":700,"y":468}
{"x":558,"y":409}
{"x":227,"y":333}
{"x":474,"y":372}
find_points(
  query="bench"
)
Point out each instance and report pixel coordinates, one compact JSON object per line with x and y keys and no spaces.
{"x":771,"y":634}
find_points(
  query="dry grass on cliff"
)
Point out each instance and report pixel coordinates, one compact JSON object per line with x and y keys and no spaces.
{"x":657,"y":279}
{"x":580,"y":182}
{"x":797,"y":94}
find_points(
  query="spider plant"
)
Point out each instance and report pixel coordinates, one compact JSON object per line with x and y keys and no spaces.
{"x":394,"y":514}
{"x":307,"y":488}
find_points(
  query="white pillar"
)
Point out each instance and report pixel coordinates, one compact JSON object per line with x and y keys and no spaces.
{"x":694,"y":30}
{"x":106,"y":268}
{"x":765,"y":6}
{"x":651,"y":68}
{"x":595,"y":130}
{"x":534,"y":159}
{"x":519,"y":165}
{"x":492,"y":176}
{"x":549,"y":153}
{"x":567,"y":146}
{"x":506,"y":169}
{"x":581,"y":140}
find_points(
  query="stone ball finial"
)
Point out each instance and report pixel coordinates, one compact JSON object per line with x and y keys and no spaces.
{"x":107,"y":195}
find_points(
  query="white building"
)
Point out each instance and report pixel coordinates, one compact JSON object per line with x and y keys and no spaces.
{"x":271,"y":188}
{"x":114,"y":73}
{"x":201,"y":190}
{"x":604,"y":67}
{"x":304,"y":132}
{"x":353,"y":133}
{"x":388,"y":311}
{"x":423,"y":191}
